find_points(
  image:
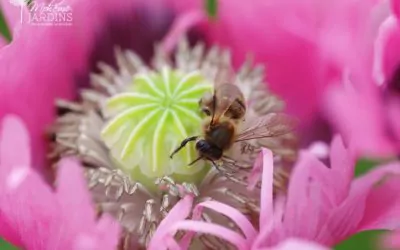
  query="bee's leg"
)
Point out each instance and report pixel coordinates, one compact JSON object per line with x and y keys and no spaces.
{"x":224,"y":173}
{"x":196,"y":160}
{"x":183,"y":144}
{"x":216,"y":166}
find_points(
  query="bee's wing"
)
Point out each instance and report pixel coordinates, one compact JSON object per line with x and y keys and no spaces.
{"x":270,"y":125}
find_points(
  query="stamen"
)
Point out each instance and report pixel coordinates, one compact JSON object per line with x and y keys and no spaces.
{"x":182,"y":24}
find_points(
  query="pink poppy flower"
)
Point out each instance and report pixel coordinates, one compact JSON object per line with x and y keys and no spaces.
{"x":323,"y":205}
{"x":32,"y":215}
{"x":366,"y":110}
{"x":55,"y":62}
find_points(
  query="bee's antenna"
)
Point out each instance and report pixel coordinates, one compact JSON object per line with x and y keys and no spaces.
{"x":183,"y":144}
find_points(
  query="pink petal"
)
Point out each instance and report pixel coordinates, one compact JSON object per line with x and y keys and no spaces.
{"x":186,"y":240}
{"x":302,"y":200}
{"x":266,"y":200}
{"x":25,"y":79}
{"x":356,"y":115}
{"x":173,"y":245}
{"x":387,"y":51}
{"x":267,"y":215}
{"x":297,"y":244}
{"x":30,"y":208}
{"x":104,"y":235}
{"x":325,"y":179}
{"x":393,"y":109}
{"x":31,"y":81}
{"x":179,"y":212}
{"x":2,"y":42}
{"x":108,"y":232}
{"x":396,"y":7}
{"x":273,"y":232}
{"x":392,"y":240}
{"x":73,"y":194}
{"x":32,"y":216}
{"x":343,"y":220}
{"x":362,"y":209}
{"x":335,"y":181}
{"x":319,"y":149}
{"x":342,"y":164}
{"x":219,"y":231}
{"x":352,"y":29}
{"x":374,"y":176}
{"x":236,"y":216}
{"x":77,"y":228}
{"x":255,"y":173}
{"x":382,"y":209}
{"x":19,"y":186}
{"x":14,"y":144}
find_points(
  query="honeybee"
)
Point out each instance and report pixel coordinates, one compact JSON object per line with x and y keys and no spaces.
{"x":225,"y":110}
